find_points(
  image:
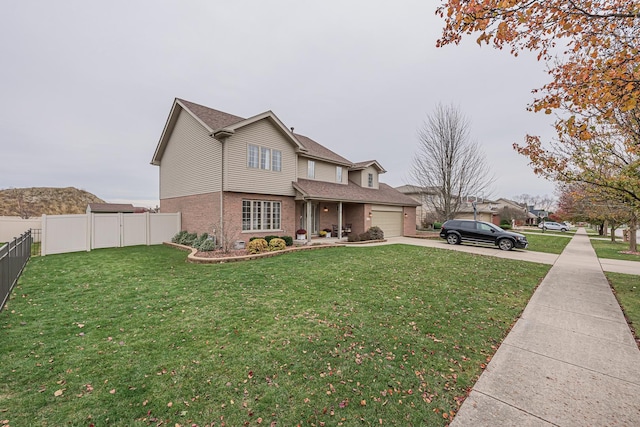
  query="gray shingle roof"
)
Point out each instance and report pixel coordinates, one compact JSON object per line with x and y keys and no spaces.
{"x":213,"y":118}
{"x":352,"y":192}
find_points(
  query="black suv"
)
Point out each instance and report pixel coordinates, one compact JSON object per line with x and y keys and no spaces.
{"x":464,"y":230}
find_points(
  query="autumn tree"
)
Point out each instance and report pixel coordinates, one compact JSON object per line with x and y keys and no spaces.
{"x":599,"y":70}
{"x":584,"y":202}
{"x":593,"y":51}
{"x":448,"y":162}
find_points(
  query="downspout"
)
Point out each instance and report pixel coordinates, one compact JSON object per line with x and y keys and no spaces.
{"x":222,"y":242}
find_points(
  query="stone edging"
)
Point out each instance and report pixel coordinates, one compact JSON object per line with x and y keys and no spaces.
{"x":204,"y":260}
{"x":364,"y":242}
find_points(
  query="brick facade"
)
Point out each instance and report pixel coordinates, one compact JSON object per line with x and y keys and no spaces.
{"x":200,"y":212}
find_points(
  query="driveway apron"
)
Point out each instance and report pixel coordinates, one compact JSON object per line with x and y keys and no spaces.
{"x":570,"y":360}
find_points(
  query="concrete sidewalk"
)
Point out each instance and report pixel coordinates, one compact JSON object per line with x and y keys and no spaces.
{"x":570,"y":360}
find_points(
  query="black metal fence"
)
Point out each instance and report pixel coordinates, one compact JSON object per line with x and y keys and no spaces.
{"x":13,"y":258}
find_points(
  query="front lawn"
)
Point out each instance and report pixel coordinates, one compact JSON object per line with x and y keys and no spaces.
{"x":548,"y":242}
{"x":613,"y":250}
{"x":390,"y":335}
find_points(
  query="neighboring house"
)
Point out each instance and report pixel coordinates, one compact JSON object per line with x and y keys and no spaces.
{"x":424,"y":212}
{"x":425,"y":215}
{"x":486,"y":210}
{"x":239,"y":178}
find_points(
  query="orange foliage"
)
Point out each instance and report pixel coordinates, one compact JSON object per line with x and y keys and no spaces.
{"x":593,"y":50}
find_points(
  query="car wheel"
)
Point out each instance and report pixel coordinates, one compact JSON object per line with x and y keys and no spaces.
{"x":505,"y":244}
{"x":453,"y":239}
{"x":563,"y":229}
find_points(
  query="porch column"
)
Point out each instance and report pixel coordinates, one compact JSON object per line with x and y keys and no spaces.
{"x":308,"y":226}
{"x":339,"y":220}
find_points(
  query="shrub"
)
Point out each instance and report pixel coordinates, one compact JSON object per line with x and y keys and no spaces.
{"x":505,"y":226}
{"x":364,"y":236}
{"x":437,"y":225}
{"x":178,"y":237}
{"x":322,"y":233}
{"x":288,"y":240}
{"x":207,"y":245}
{"x":257,"y":246}
{"x":353,"y":237}
{"x":200,"y":240}
{"x":277,"y":244}
{"x":375,"y":233}
{"x":269,"y":238}
{"x":188,"y":239}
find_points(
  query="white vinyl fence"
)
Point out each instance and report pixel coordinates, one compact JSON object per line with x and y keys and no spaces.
{"x":14,"y":226}
{"x":73,"y":233}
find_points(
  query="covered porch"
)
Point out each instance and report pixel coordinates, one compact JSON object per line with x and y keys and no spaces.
{"x":339,"y":219}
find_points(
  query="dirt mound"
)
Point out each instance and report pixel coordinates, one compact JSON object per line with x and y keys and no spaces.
{"x":35,"y":201}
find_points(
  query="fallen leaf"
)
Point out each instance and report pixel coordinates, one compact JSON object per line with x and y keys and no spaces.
{"x":112,"y":391}
{"x":58,"y":392}
{"x":170,"y":404}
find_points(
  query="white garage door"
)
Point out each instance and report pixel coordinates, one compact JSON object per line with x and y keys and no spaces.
{"x":389,"y":222}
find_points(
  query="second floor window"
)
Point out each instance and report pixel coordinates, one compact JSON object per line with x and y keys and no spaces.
{"x":311,"y":169}
{"x":253,"y":153}
{"x":264,"y":158}
{"x":370,"y":180}
{"x":338,"y":173}
{"x":276,"y":161}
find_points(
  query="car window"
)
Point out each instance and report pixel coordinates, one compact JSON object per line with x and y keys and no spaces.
{"x":468,"y":225}
{"x":485,"y":227}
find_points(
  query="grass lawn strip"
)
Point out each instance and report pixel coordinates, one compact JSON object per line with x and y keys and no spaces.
{"x":613,"y":250}
{"x":547,"y":243}
{"x":627,"y":290}
{"x":391,"y":335}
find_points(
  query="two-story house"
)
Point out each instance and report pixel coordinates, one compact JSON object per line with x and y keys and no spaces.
{"x":239,"y":178}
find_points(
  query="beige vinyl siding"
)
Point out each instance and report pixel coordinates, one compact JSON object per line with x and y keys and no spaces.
{"x":365,"y":177}
{"x":191,"y":162}
{"x":241,"y":178}
{"x":324,"y":171}
{"x":388,"y":218}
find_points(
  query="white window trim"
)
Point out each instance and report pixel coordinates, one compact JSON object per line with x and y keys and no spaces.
{"x":311,"y":169}
{"x":339,"y":174}
{"x":263,"y":209}
{"x":261,"y":160}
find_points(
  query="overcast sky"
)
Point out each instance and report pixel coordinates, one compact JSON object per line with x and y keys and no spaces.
{"x":87,"y":86}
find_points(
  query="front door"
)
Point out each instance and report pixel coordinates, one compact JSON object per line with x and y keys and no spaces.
{"x":315,"y":218}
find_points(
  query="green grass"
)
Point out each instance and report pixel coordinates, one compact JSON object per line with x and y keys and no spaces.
{"x":627,"y":291}
{"x":547,"y":243}
{"x":391,"y":335}
{"x":611,"y":250}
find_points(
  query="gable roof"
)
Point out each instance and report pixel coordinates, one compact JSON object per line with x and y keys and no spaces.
{"x":221,"y":124}
{"x":366,"y":164}
{"x":329,"y":191}
{"x":213,"y":119}
{"x":320,"y":152}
